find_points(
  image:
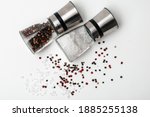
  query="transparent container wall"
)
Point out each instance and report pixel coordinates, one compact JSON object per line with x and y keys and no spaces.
{"x":75,"y":43}
{"x":38,"y":36}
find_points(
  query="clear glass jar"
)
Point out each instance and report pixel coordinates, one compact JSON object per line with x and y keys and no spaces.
{"x":38,"y":36}
{"x":75,"y":43}
{"x":79,"y":40}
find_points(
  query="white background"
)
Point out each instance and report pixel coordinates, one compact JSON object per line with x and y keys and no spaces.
{"x":133,"y":39}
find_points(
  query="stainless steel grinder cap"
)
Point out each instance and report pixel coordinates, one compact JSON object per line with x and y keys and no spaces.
{"x":102,"y":24}
{"x":65,"y":18}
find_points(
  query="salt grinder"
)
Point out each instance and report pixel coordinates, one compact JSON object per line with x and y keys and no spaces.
{"x":79,"y":40}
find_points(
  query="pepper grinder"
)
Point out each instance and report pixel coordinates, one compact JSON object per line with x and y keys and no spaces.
{"x":40,"y":35}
